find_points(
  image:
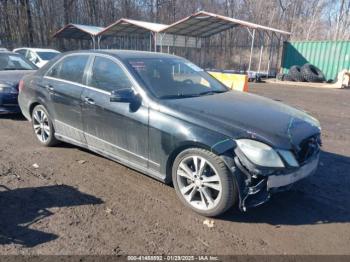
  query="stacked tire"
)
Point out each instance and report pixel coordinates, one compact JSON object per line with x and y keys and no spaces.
{"x":305,"y":73}
{"x":295,"y":74}
{"x":287,"y":77}
{"x":312,"y":74}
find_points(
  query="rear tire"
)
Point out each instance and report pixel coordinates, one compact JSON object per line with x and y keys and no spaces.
{"x":43,"y":127}
{"x":203,"y":182}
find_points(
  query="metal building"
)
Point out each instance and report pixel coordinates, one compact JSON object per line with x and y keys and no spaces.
{"x":80,"y":32}
{"x":191,"y":32}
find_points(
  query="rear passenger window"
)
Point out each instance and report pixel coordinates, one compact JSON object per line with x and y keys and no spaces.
{"x":70,"y":68}
{"x":108,"y":76}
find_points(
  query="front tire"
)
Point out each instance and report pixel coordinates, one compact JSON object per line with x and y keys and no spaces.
{"x":203,"y":182}
{"x":43,"y":127}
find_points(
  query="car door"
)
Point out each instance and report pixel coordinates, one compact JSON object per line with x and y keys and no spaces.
{"x":64,"y":82}
{"x":114,"y":128}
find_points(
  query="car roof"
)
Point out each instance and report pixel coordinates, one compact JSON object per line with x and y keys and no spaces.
{"x":37,"y":49}
{"x":8,"y":52}
{"x":126,"y":54}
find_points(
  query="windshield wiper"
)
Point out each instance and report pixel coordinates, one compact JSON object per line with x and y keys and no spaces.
{"x":179,"y":96}
{"x":15,"y":68}
{"x":211,"y":92}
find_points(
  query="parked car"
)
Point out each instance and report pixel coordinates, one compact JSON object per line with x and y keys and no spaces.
{"x":38,"y":56}
{"x":3,"y":49}
{"x":164,"y":116}
{"x":12,"y":68}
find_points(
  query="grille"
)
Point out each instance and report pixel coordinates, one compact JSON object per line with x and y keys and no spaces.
{"x":308,"y":148}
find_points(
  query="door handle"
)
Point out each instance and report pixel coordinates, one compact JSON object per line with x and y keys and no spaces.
{"x":50,"y":88}
{"x":89,"y":100}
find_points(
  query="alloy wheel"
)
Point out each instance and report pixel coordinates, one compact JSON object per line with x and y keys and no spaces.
{"x":41,"y":125}
{"x":199,"y":182}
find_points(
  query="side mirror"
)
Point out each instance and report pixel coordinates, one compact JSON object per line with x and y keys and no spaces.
{"x":125,"y":95}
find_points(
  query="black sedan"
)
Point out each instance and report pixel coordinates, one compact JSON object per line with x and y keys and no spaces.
{"x":12,"y":68}
{"x":166,"y":117}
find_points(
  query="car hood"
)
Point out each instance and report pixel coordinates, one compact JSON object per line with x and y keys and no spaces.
{"x":242,"y":115}
{"x":12,"y":77}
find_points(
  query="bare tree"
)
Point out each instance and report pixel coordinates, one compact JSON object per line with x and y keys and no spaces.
{"x":33,"y":22}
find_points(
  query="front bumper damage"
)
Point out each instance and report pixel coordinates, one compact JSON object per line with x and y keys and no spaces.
{"x":258,"y":184}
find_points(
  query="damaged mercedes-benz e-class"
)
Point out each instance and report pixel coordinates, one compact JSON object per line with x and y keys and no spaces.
{"x":165,"y":117}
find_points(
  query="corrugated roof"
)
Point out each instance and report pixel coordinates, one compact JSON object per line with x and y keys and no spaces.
{"x":155,"y":27}
{"x":128,"y":26}
{"x":200,"y":24}
{"x":77,"y":31}
{"x":205,"y":24}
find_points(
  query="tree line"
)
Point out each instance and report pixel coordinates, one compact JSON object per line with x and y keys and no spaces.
{"x":33,"y":22}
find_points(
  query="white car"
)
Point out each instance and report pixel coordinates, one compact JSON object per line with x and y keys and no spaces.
{"x":38,"y":56}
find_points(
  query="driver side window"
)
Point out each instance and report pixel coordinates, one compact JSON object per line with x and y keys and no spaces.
{"x":108,"y":76}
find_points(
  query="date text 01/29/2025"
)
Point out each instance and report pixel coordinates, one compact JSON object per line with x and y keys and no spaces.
{"x":172,"y":258}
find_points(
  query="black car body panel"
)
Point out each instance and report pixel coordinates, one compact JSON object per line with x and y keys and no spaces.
{"x":9,"y":79}
{"x":147,"y":133}
{"x":13,"y":76}
{"x":103,"y":118}
{"x":8,"y":101}
{"x":237,"y":114}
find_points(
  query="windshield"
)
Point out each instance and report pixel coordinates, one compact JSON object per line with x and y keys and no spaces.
{"x":171,"y":78}
{"x":15,"y":62}
{"x":47,"y":55}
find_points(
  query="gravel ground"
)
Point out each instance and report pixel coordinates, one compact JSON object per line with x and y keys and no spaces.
{"x":66,"y":200}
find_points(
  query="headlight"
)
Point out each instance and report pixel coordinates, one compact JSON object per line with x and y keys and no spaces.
{"x":259,"y":153}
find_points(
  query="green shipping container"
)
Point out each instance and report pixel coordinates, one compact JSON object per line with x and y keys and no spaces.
{"x":329,"y":56}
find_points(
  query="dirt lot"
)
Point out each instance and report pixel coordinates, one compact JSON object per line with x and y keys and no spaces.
{"x":76,"y":202}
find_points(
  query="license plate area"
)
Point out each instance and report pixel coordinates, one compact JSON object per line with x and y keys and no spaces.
{"x":284,"y":180}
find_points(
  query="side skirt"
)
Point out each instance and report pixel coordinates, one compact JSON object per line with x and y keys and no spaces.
{"x":127,"y":163}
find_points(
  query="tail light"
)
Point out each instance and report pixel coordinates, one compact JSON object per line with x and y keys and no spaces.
{"x":20,"y":86}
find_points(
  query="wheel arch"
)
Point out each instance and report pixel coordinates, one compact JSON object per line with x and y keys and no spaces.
{"x":35,"y":103}
{"x":223,"y":148}
{"x":32,"y":106}
{"x":180,"y":148}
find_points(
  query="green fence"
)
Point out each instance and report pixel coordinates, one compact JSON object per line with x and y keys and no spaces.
{"x":329,"y":56}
